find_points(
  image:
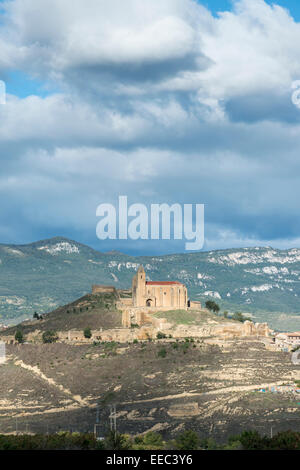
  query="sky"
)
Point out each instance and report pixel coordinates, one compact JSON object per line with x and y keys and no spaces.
{"x":173,"y":101}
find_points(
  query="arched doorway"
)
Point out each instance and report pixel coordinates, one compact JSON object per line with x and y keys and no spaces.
{"x":149,"y":303}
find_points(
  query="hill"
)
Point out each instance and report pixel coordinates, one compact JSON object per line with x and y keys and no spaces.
{"x":210,"y":388}
{"x":96,"y":311}
{"x":206,"y":383}
{"x":44,"y":275}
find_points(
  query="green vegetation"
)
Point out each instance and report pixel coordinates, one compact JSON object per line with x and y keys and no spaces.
{"x":186,"y":440}
{"x":110,"y":348}
{"x":87,"y":333}
{"x":161,"y":335}
{"x":19,"y":336}
{"x":185,"y":346}
{"x":186,"y":317}
{"x":162,"y":352}
{"x":212,"y":306}
{"x":49,"y":337}
{"x":150,"y":441}
{"x":238,"y":316}
{"x":62,"y":281}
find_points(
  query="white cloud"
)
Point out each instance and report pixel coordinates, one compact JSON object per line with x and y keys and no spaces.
{"x":159,"y":100}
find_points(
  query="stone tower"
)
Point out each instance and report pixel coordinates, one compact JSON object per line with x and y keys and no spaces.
{"x":139,"y":287}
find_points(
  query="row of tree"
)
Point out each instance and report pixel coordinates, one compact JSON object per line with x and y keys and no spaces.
{"x":186,"y":440}
{"x":49,"y":336}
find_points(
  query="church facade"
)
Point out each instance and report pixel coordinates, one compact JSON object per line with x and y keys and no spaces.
{"x":158,"y":294}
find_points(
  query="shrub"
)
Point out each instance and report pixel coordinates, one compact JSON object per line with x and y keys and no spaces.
{"x":160,"y":335}
{"x":238,"y":316}
{"x":87,"y":333}
{"x":162,"y":352}
{"x":135,"y":341}
{"x":19,"y":336}
{"x":153,"y":439}
{"x":49,"y":337}
{"x":187,"y":440}
{"x":208,"y":444}
{"x":251,"y":440}
{"x":116,"y":441}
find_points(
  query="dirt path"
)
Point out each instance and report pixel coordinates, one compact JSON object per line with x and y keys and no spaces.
{"x":36,"y":371}
{"x":220,"y":391}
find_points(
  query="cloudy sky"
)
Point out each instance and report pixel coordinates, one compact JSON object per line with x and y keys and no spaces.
{"x":161,"y":100}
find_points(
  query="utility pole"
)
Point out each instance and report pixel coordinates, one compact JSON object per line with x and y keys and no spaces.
{"x":113,"y":418}
{"x":97,"y":424}
{"x":271,"y":432}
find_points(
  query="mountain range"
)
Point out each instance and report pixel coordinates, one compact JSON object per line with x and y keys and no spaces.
{"x":263,"y":282}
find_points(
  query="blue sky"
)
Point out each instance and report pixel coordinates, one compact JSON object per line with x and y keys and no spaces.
{"x":224,"y":5}
{"x":169,"y":103}
{"x":22,"y":84}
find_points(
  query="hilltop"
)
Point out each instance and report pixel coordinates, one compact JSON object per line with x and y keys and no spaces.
{"x":206,"y":379}
{"x":96,"y":311}
{"x":44,"y":275}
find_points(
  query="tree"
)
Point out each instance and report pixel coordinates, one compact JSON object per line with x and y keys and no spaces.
{"x":36,"y":316}
{"x":208,"y":444}
{"x":238,"y":316}
{"x":116,"y":441}
{"x":19,"y":336}
{"x":153,"y":440}
{"x":49,"y":337}
{"x":187,"y":440}
{"x":212,"y":306}
{"x":87,"y":333}
{"x":251,"y":440}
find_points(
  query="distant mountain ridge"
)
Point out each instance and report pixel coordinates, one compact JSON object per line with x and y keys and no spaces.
{"x":43,"y":275}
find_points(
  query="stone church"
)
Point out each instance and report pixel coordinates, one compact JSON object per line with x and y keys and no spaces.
{"x":158,"y":294}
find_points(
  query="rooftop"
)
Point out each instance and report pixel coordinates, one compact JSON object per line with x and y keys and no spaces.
{"x":163,"y":283}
